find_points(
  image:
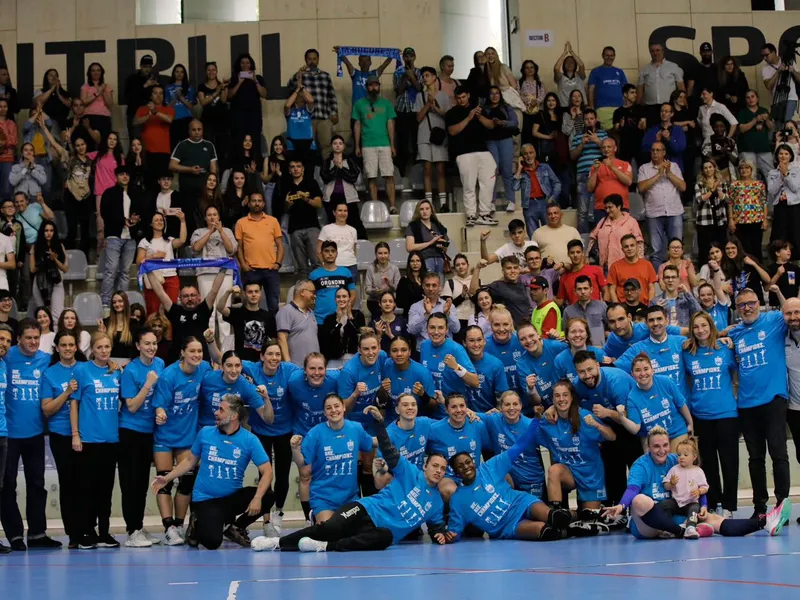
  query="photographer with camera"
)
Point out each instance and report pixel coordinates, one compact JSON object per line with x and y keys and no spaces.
{"x":781,"y":77}
{"x":788,"y":135}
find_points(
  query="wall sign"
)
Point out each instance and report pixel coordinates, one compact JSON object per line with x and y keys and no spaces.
{"x":538,"y":38}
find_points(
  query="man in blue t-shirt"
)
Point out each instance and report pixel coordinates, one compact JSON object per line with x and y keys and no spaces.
{"x":327,"y":279}
{"x":605,"y":88}
{"x":221,"y":505}
{"x":360,"y":76}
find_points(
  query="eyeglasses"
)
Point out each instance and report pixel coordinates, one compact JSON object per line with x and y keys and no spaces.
{"x":748,"y":304}
{"x":669,"y":277}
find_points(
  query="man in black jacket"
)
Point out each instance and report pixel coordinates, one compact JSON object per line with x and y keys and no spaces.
{"x":123,"y":213}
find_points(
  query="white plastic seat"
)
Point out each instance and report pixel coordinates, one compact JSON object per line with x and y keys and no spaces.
{"x":365,"y":254}
{"x":77,"y":268}
{"x":135,"y":297}
{"x":399,"y":254}
{"x":61,"y":224}
{"x":637,"y":206}
{"x":407,"y":212}
{"x":375,"y":215}
{"x":89,"y":307}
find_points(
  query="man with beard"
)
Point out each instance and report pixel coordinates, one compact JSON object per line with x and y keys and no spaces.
{"x":704,"y":73}
{"x":374,"y":138}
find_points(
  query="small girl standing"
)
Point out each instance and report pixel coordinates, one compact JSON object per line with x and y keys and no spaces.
{"x":382,"y":276}
{"x":688,"y":485}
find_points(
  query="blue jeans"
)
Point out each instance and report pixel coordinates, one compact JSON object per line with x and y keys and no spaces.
{"x":535,"y":215}
{"x":503,"y":153}
{"x":585,"y":204}
{"x":119,"y":257}
{"x":435,"y":265}
{"x":270,"y":281}
{"x":663,"y":229}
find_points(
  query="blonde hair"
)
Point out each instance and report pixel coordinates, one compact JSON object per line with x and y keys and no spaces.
{"x":500,"y":310}
{"x":691,"y":442}
{"x":657,"y":430}
{"x":691,"y":344}
{"x":120,"y":321}
{"x":702,"y":176}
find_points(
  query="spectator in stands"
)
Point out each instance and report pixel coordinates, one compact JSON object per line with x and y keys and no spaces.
{"x":668,"y":133}
{"x":214,"y":241}
{"x":509,"y":290}
{"x":457,"y":288}
{"x":27,"y":176}
{"x":48,"y":263}
{"x":676,"y":298}
{"x":713,"y":207}
{"x":33,"y":133}
{"x":193,"y":159}
{"x":8,"y":145}
{"x":590,"y":310}
{"x":388,"y":325}
{"x":516,"y":246}
{"x":120,"y":326}
{"x":467,"y":127}
{"x":338,"y":334}
{"x":11,"y":228}
{"x":720,"y":148}
{"x":137,"y":89}
{"x":106,"y":161}
{"x":181,"y":96}
{"x":78,"y":126}
{"x":676,"y":258}
{"x":328,"y":278}
{"x":303,"y":198}
{"x":572,"y":124}
{"x":167,"y":201}
{"x":771,"y":74}
{"x":431,"y":106}
{"x":569,"y":73}
{"x":749,"y":211}
{"x":657,"y":81}
{"x":630,"y":122}
{"x":611,"y":230}
{"x":260,"y":252}
{"x":477,"y":83}
{"x":539,"y":187}
{"x":274,"y":170}
{"x":212,"y":95}
{"x":375,"y":139}
{"x":789,"y":136}
{"x":585,"y":151}
{"x":553,"y":238}
{"x":326,"y":107}
{"x":31,"y":214}
{"x":755,"y":125}
{"x":382,"y":276}
{"x":339,"y":174}
{"x":69,"y":322}
{"x":409,"y":289}
{"x":546,"y":314}
{"x":235,"y":199}
{"x":6,"y":306}
{"x":783,"y":184}
{"x":160,"y":325}
{"x":732,"y":84}
{"x":7,"y":92}
{"x":447,"y":65}
{"x":155,"y":119}
{"x":577,"y":267}
{"x":157,"y":245}
{"x":98,"y":98}
{"x":407,"y":85}
{"x":661,"y":184}
{"x":345,"y":238}
{"x":297,"y":329}
{"x":535,"y":267}
{"x":708,"y":109}
{"x":245,"y":157}
{"x":251,"y":326}
{"x":532,"y":92}
{"x":142,"y":176}
{"x":121,"y":211}
{"x":608,"y":176}
{"x":632,"y":266}
{"x":606,"y":88}
{"x":783,"y":273}
{"x":8,"y":261}
{"x":426,"y":234}
{"x":547,"y":126}
{"x":298,"y":110}
{"x":432,"y":302}
{"x":245,"y":92}
{"x":359,"y":76}
{"x":501,"y":141}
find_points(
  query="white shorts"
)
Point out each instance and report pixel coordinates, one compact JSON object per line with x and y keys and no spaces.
{"x":378,"y":162}
{"x":432,"y":153}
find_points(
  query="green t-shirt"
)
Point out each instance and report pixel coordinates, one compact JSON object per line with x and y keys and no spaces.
{"x":374,"y":118}
{"x":757,"y":139}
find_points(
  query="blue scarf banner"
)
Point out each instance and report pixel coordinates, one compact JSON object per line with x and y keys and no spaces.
{"x":150,"y":265}
{"x":366,"y":51}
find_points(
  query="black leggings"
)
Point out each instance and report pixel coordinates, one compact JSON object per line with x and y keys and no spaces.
{"x":280,"y":453}
{"x":752,"y":236}
{"x":719,"y":448}
{"x":618,"y":456}
{"x":67,"y":466}
{"x":79,"y":214}
{"x":212,"y":516}
{"x":349,"y":529}
{"x":98,"y":465}
{"x":135,"y":458}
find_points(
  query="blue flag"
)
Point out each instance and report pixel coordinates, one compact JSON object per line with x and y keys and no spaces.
{"x":366,"y":51}
{"x":150,"y":265}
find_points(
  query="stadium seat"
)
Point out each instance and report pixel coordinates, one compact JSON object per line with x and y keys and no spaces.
{"x":399,"y":254}
{"x":365,"y":254}
{"x":135,"y":297}
{"x":77,"y":270}
{"x":101,"y":266}
{"x":407,"y":212}
{"x":89,"y":307}
{"x":375,"y":215}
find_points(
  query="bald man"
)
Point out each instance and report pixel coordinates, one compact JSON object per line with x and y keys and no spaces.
{"x":791,"y":314}
{"x":193,"y":159}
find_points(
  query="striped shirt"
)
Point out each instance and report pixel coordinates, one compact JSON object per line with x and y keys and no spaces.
{"x":589,"y":154}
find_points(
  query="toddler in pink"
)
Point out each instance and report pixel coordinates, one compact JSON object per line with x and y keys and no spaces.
{"x":687,"y":483}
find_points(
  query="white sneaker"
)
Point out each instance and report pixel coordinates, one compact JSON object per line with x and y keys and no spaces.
{"x":778,"y":517}
{"x":276,"y":518}
{"x":173,"y":537}
{"x":262,"y":543}
{"x":691,"y":533}
{"x":486,"y":220}
{"x":306,"y":544}
{"x":272,"y":529}
{"x":138,"y":540}
{"x":153,"y":539}
{"x":726,"y":514}
{"x":510,"y":207}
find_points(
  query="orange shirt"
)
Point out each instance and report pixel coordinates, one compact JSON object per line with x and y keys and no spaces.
{"x":607,"y":183}
{"x":155,"y":131}
{"x":642,"y":270}
{"x":257,"y":239}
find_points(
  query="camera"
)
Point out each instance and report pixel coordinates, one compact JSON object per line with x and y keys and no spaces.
{"x":786,"y":134}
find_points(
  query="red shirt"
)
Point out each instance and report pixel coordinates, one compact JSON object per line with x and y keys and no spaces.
{"x":536,"y":188}
{"x":566,"y":288}
{"x":607,"y":183}
{"x":155,"y":131}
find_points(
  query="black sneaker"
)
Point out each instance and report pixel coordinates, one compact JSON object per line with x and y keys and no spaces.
{"x":73,"y":544}
{"x":107,"y":541}
{"x":551,"y":534}
{"x":44,"y":542}
{"x":18,"y":545}
{"x":237,"y":535}
{"x":759,"y":514}
{"x":88,"y":542}
{"x":4,"y":549}
{"x":559,"y":518}
{"x":189,"y":537}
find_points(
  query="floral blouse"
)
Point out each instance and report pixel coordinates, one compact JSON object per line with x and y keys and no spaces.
{"x":748,"y":200}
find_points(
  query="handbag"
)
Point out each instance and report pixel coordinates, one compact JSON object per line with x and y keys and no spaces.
{"x":438,"y":134}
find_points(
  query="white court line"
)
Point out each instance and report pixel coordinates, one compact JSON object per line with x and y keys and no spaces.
{"x":183,"y":583}
{"x":233,"y":589}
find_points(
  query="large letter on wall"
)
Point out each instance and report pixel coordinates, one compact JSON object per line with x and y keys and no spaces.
{"x":126,"y":57}
{"x":721,"y":39}
{"x":75,"y":53}
{"x":664,"y":34}
{"x":271,"y":66}
{"x":25,"y":74}
{"x":197,"y":59}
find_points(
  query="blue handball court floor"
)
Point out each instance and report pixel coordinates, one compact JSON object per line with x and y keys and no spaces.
{"x":613,"y":566}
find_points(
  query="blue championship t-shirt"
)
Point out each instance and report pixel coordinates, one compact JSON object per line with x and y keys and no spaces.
{"x":98,"y":395}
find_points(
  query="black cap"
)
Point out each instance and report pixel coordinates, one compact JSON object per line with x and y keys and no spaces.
{"x":539,"y":282}
{"x":632,"y":283}
{"x":146,"y":60}
{"x":166,"y":174}
{"x":705,"y":47}
{"x":122,"y":169}
{"x":5,"y":294}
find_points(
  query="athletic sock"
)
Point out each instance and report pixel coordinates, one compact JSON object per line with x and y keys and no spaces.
{"x":306,"y":508}
{"x":167,"y":523}
{"x":657,"y":518}
{"x":556,"y":504}
{"x":740,"y":527}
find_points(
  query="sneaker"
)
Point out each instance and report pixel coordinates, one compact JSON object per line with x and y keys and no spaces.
{"x":271,"y":530}
{"x":173,"y":537}
{"x":511,"y":207}
{"x":151,"y":538}
{"x":778,"y":517}
{"x":666,"y":535}
{"x":18,"y":545}
{"x":471,"y":220}
{"x":559,"y":518}
{"x":262,"y":543}
{"x":73,"y":544}
{"x":306,"y":544}
{"x":393,"y":210}
{"x":44,"y":542}
{"x":4,"y":549}
{"x":551,"y":534}
{"x":581,"y":529}
{"x":107,"y":541}
{"x":726,"y":514}
{"x":88,"y":542}
{"x":190,"y":538}
{"x":138,"y":540}
{"x":691,"y":533}
{"x":758,"y":515}
{"x":486,"y":220}
{"x":237,"y":535}
{"x":705,"y":530}
{"x":276,"y":518}
{"x":616,"y":523}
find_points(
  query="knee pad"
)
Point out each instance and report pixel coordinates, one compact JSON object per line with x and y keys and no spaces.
{"x":186,"y":483}
{"x":167,"y":489}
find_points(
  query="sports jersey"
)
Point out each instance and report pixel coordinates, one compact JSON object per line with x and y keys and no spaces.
{"x":711,"y":382}
{"x":353,"y":373}
{"x":23,"y":410}
{"x":612,"y":389}
{"x":214,"y":387}
{"x":55,"y":381}
{"x":493,"y":382}
{"x":403,"y":383}
{"x":411,"y":443}
{"x":649,"y":477}
{"x":666,"y":358}
{"x":98,"y":397}
{"x":3,"y":386}
{"x":444,"y":378}
{"x":762,"y":359}
{"x":527,"y":471}
{"x":133,"y":379}
{"x":616,"y":346}
{"x":277,"y":391}
{"x":448,"y":441}
{"x":658,"y":406}
{"x":178,"y":394}
{"x":565,"y":368}
{"x":307,"y":401}
{"x":544,"y":367}
{"x":509,"y":354}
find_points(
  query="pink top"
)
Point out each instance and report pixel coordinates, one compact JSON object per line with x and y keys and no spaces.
{"x":607,"y":235}
{"x":8,"y":133}
{"x":96,"y":106}
{"x":688,"y":480}
{"x":104,"y":177}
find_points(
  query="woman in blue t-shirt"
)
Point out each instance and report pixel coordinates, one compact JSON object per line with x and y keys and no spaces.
{"x":136,"y":425}
{"x":229,"y":380}
{"x":55,"y":389}
{"x":711,"y":366}
{"x":94,"y":415}
{"x":402,"y":375}
{"x":329,"y":453}
{"x":578,"y":337}
{"x":181,"y":96}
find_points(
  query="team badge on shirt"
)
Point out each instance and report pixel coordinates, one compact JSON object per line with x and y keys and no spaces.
{"x":37,"y":373}
{"x":237,"y":453}
{"x":676,"y":358}
{"x":665,"y":403}
{"x":472,"y":445}
{"x":489,"y":488}
{"x":422,"y":440}
{"x":762,"y":335}
{"x":350,"y":445}
{"x":718,"y":361}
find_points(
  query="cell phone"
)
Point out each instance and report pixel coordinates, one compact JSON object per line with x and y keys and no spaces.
{"x":246,"y":74}
{"x":171,"y":212}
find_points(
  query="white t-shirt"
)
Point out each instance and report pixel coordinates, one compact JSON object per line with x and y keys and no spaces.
{"x":160,"y":245}
{"x":345,"y":238}
{"x":126,"y":210}
{"x":46,"y":342}
{"x":768,"y":70}
{"x":6,"y":248}
{"x":509,"y":249}
{"x":163,"y":201}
